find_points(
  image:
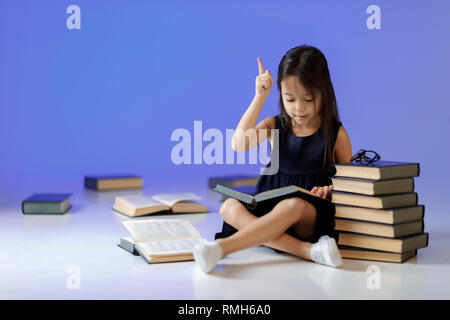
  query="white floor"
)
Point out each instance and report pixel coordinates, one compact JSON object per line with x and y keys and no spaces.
{"x":41,"y":255}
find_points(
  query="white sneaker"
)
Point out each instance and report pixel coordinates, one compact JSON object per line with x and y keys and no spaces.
{"x":325,"y":251}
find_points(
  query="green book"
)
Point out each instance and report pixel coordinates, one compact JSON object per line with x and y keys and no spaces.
{"x":46,"y":203}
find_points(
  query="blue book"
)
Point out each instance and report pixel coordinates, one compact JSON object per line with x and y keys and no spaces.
{"x":378,"y":170}
{"x":113,"y":182}
{"x":46,"y":203}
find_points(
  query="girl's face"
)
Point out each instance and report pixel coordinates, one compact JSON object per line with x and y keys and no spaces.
{"x":299,"y":103}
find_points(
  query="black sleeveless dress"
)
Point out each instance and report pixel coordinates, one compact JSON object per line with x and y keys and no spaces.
{"x":300,"y":164}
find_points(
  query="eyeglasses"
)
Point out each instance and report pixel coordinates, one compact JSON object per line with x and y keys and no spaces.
{"x":365,"y":156}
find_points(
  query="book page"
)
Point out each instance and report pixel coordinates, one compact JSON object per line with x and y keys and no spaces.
{"x":139,"y":201}
{"x":171,"y":198}
{"x":168,"y":247}
{"x":160,"y":229}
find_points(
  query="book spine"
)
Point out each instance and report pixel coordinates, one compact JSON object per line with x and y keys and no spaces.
{"x":91,"y":183}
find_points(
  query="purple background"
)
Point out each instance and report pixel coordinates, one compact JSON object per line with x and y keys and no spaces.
{"x":106,"y":98}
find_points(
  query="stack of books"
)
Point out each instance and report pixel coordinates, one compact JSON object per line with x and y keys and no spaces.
{"x":377,"y":212}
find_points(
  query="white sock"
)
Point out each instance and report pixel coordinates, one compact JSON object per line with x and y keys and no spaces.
{"x":207,"y":254}
{"x":325,"y":251}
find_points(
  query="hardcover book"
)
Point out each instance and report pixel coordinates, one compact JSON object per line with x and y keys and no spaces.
{"x":373,"y":187}
{"x":375,"y":255}
{"x":399,"y":245}
{"x":378,"y":170}
{"x":380,"y":229}
{"x":388,"y":216}
{"x":278,"y":194}
{"x":245,"y":189}
{"x":168,"y":203}
{"x":375,"y":202}
{"x":113,"y":182}
{"x":46,"y":203}
{"x":163,"y":240}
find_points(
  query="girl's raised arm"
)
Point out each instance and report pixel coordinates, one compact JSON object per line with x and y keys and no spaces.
{"x":246,"y":135}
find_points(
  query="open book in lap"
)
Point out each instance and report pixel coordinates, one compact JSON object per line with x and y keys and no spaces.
{"x":138,"y":205}
{"x":163,"y":240}
{"x":261,"y":199}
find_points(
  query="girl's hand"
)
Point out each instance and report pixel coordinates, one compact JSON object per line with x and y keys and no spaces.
{"x":323,"y":192}
{"x":263,"y":81}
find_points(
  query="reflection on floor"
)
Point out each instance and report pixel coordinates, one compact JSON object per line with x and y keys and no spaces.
{"x":38,"y":252}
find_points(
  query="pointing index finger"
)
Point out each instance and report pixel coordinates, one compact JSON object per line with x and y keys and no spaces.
{"x":260,"y":66}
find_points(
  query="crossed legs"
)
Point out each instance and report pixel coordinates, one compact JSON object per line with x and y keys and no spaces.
{"x":269,"y":230}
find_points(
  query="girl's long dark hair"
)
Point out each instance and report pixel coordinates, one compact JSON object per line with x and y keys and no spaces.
{"x":310,"y":66}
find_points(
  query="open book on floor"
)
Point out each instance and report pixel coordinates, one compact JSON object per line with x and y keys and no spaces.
{"x":139,"y":205}
{"x":278,"y":194}
{"x":163,"y":240}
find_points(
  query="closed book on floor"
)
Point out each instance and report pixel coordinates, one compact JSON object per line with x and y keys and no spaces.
{"x":167,"y":203}
{"x":380,"y":229}
{"x":163,"y":240}
{"x":376,"y":202}
{"x":46,"y":203}
{"x":375,"y":255}
{"x":278,"y":194}
{"x":373,"y":187}
{"x":232,"y":181}
{"x":389,"y":216}
{"x":113,"y":182}
{"x":400,"y":245}
{"x":378,"y":170}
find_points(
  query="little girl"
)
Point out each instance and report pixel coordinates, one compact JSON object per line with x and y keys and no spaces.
{"x":311,"y":139}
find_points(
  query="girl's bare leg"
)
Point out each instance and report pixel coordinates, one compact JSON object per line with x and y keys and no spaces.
{"x":269,"y":229}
